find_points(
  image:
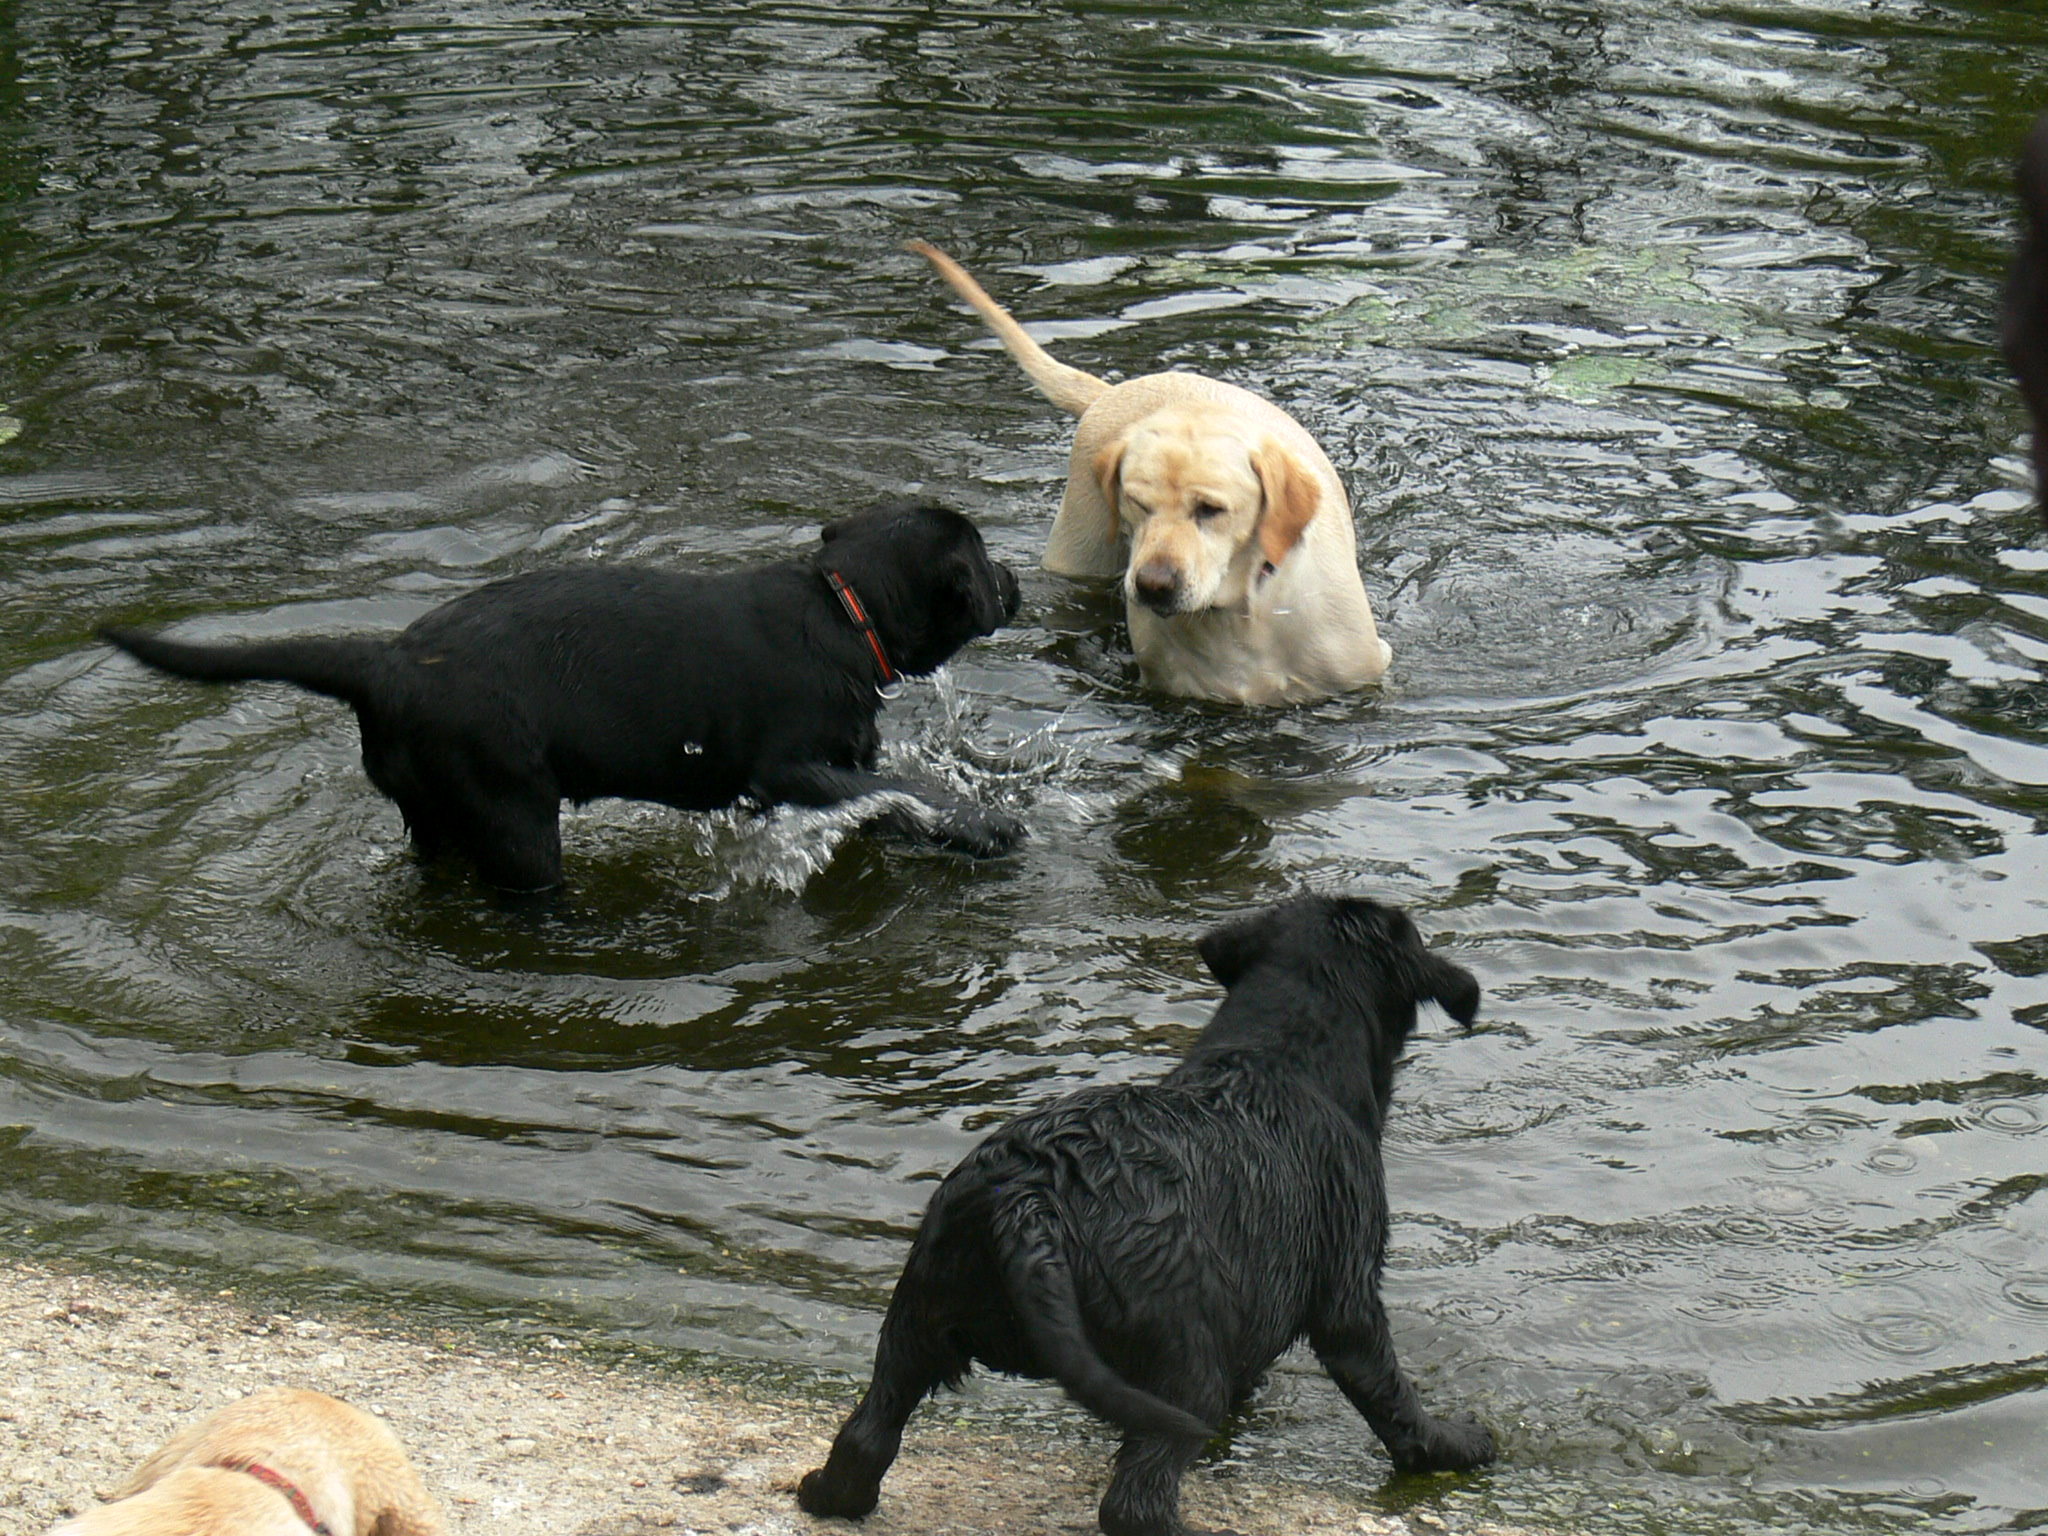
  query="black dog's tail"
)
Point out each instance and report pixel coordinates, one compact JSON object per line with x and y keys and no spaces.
{"x":1040,"y":1283}
{"x":342,"y":667}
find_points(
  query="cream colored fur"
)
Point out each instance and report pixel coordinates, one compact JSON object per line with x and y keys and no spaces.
{"x":348,"y":1465}
{"x":1226,"y":522}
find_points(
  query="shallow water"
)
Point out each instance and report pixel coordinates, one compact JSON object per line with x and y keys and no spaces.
{"x":1655,"y":341}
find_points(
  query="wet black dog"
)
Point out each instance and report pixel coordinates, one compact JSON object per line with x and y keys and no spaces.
{"x":697,"y":691}
{"x":1154,"y":1247}
{"x":2024,"y":332}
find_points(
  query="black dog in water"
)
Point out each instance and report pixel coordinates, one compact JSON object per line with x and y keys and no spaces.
{"x":2024,"y":329}
{"x":628,"y":680}
{"x":1155,"y":1247}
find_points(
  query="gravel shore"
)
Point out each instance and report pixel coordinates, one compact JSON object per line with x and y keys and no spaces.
{"x":535,"y":1438}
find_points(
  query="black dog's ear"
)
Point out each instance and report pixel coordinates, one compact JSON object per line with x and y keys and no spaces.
{"x":1228,"y":951}
{"x":1431,"y":975}
{"x":1453,"y":986}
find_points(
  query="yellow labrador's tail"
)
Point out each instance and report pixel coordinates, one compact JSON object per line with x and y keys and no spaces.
{"x":1068,"y":388}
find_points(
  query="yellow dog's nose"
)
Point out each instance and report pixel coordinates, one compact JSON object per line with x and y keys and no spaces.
{"x":1157,"y":584}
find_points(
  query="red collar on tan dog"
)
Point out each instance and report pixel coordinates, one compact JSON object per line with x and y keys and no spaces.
{"x":863,"y":623}
{"x":301,"y":1505}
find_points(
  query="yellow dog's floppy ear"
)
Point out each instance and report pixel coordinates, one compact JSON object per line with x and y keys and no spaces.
{"x":1087,"y":536}
{"x":1109,"y":465}
{"x":1292,"y":500}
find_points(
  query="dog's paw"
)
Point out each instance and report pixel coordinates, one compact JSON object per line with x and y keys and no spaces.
{"x":981,"y":833}
{"x":821,"y":1494}
{"x":1453,"y":1445}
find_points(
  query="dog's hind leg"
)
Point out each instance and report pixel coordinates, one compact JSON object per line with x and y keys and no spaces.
{"x":910,"y":1361}
{"x":1143,"y":1498}
{"x":501,"y":809}
{"x":516,"y":842}
{"x":504,"y":816}
{"x":512,"y":836}
{"x":488,"y":794}
{"x":1359,"y":1355}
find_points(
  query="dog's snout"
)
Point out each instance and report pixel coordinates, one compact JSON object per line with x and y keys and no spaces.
{"x":1007,"y":589}
{"x":1157,"y":585}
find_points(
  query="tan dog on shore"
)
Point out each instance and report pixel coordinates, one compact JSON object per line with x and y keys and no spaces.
{"x":281,"y":1462}
{"x":1226,"y":521}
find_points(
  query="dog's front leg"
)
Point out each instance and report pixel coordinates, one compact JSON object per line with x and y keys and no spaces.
{"x":1359,"y":1355}
{"x":947,"y":820}
{"x":416,"y":1515}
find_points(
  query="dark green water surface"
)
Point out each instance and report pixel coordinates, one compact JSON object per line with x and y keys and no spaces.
{"x":1655,"y":339}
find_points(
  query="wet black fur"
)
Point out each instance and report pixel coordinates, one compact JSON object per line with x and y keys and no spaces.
{"x":697,"y":691}
{"x":1155,"y":1246}
{"x":2024,"y":333}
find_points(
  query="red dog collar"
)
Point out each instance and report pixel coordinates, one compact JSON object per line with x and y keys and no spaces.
{"x":301,"y":1505}
{"x":863,"y":623}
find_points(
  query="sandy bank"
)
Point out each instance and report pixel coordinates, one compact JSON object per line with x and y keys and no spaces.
{"x":529,"y":1441}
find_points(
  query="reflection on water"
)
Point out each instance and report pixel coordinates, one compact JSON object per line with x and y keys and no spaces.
{"x":1655,"y":343}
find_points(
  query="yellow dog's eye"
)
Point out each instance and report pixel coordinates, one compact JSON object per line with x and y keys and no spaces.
{"x":1204,"y":510}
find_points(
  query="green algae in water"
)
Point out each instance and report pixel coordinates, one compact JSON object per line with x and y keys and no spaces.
{"x":1589,"y":323}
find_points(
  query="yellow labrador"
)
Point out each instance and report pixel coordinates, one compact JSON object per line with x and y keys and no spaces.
{"x":281,"y":1462}
{"x":1226,"y":521}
